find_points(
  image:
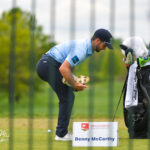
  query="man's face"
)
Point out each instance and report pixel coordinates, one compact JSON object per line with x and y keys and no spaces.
{"x":99,"y":45}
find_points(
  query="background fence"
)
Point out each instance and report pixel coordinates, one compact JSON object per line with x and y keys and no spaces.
{"x":23,"y":41}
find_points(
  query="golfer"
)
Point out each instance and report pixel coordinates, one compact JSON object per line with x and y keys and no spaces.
{"x":59,"y":62}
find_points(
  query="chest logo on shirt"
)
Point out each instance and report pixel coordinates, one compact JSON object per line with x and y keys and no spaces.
{"x":75,"y":59}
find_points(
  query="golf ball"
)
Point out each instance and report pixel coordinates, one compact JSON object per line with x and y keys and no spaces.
{"x":49,"y":130}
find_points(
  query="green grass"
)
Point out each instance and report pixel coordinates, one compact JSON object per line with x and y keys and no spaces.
{"x":82,"y":103}
{"x":44,"y":141}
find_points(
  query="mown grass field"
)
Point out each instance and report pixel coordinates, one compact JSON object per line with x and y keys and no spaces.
{"x":42,"y":140}
{"x":46,"y":101}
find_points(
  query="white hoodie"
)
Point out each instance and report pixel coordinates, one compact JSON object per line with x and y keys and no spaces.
{"x":137,"y":44}
{"x":139,"y":50}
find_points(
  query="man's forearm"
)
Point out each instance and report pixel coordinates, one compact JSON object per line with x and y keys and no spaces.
{"x":66,"y":71}
{"x":67,"y":74}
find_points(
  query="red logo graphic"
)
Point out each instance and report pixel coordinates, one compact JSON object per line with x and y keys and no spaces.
{"x":85,"y":126}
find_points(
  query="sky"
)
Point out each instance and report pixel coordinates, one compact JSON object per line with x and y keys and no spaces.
{"x":82,"y":15}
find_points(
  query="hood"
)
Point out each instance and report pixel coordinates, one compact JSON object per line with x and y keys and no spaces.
{"x":137,"y":44}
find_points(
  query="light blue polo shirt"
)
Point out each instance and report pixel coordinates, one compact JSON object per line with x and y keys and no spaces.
{"x":74,"y":51}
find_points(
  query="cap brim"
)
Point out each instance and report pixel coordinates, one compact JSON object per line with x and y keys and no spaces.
{"x":109,"y":45}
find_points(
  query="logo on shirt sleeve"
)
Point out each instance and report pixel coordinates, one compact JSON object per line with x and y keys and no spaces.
{"x":75,"y":59}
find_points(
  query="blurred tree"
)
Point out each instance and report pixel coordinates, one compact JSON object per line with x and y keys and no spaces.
{"x":42,"y":44}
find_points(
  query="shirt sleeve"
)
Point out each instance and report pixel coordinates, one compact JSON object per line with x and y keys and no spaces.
{"x":75,"y":57}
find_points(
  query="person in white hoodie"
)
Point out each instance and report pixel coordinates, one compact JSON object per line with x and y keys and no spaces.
{"x":138,"y":46}
{"x":135,"y":99}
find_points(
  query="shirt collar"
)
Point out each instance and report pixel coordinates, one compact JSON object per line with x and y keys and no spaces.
{"x":89,"y":47}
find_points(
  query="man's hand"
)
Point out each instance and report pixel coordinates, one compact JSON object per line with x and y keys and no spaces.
{"x":79,"y":87}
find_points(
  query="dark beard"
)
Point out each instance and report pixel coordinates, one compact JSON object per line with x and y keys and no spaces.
{"x":97,"y":50}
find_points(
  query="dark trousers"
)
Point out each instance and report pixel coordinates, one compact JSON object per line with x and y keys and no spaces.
{"x":48,"y":70}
